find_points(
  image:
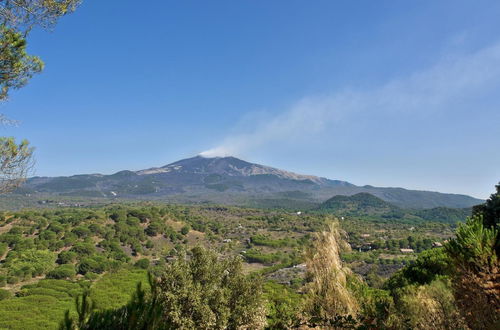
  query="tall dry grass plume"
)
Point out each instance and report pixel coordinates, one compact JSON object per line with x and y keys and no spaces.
{"x":328,"y":296}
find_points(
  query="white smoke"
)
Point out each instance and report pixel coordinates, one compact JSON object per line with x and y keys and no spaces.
{"x":436,"y":89}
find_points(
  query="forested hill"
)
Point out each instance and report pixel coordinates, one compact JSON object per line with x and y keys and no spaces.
{"x":228,"y":180}
{"x":367,"y":205}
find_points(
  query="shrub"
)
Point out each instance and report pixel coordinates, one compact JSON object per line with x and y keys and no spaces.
{"x":66,"y":257}
{"x":202,"y":292}
{"x":142,"y":263}
{"x":185,"y":230}
{"x":477,"y":267}
{"x":96,"y":264}
{"x":66,"y":271}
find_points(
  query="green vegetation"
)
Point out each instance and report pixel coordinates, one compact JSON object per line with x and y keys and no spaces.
{"x":202,"y":292}
{"x":101,"y":254}
{"x":367,"y":206}
{"x":114,"y":289}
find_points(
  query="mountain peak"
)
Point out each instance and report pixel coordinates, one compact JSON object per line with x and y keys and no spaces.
{"x":228,"y":180}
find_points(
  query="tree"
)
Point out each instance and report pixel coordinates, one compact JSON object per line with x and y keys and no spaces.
{"x":476,"y":274}
{"x":15,"y":163}
{"x":490,"y":212}
{"x":200,"y":292}
{"x":17,"y":67}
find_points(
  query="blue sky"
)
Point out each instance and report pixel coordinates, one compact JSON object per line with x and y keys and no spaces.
{"x":387,"y":93}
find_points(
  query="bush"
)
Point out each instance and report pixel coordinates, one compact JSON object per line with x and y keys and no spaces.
{"x":96,"y":264}
{"x":185,"y":230}
{"x":142,"y":263}
{"x":473,"y":253}
{"x":66,"y":257}
{"x":66,"y":271}
{"x":283,"y":306}
{"x":201,"y":292}
{"x":83,"y":249}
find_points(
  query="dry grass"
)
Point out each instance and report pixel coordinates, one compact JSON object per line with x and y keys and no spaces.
{"x":328,"y":295}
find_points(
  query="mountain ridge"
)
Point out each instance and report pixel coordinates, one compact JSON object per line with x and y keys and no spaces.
{"x":228,"y":180}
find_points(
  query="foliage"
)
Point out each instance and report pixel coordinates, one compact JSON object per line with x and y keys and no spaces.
{"x":28,"y":263}
{"x":110,"y":245}
{"x":428,"y":266}
{"x":283,"y":306}
{"x":254,"y":255}
{"x":113,"y":290}
{"x":142,"y":263}
{"x":17,"y":18}
{"x":202,"y":292}
{"x":39,"y":306}
{"x":430,"y":306}
{"x":17,"y":67}
{"x":476,"y":273}
{"x":62,"y":272}
{"x":266,"y":241}
{"x":490,"y":210}
{"x":15,"y":159}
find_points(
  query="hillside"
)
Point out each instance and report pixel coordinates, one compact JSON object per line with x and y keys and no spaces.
{"x":48,"y":257}
{"x":227,"y":180}
{"x":364,"y":205}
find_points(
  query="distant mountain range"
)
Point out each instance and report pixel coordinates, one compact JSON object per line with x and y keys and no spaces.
{"x":229,"y":180}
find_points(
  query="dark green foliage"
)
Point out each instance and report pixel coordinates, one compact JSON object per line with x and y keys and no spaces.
{"x":263,"y":258}
{"x":16,"y":65}
{"x":368,"y":206}
{"x":142,"y":263}
{"x":474,"y":247}
{"x":444,"y":214}
{"x":81,"y":231}
{"x":490,"y":211}
{"x":155,"y":228}
{"x":185,"y":230}
{"x":429,"y":265}
{"x":357,"y":202}
{"x":476,"y":271}
{"x":66,"y":257}
{"x":95,"y":264}
{"x":66,"y":271}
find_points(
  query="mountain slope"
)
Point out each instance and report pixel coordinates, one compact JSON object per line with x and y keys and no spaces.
{"x":366,"y":205}
{"x":228,"y":180}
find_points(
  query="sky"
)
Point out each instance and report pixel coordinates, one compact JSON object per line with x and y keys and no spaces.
{"x":385,"y":93}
